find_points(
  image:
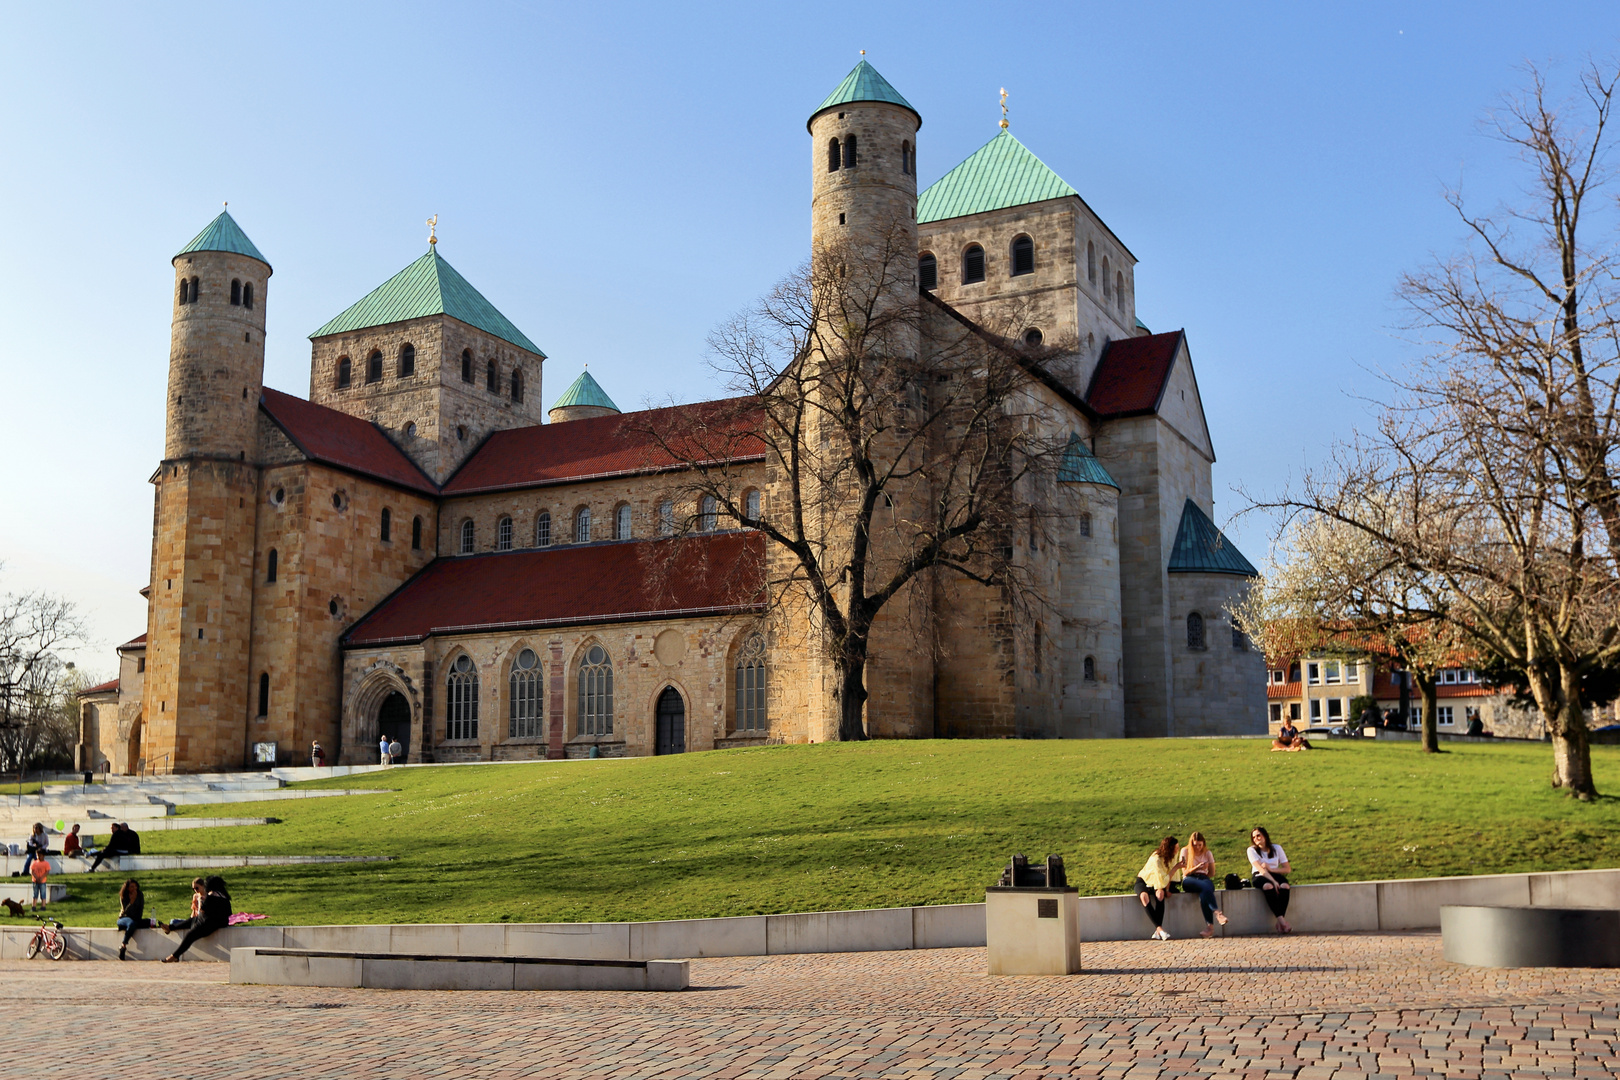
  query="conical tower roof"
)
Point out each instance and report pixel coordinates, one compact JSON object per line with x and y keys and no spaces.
{"x":1201,"y":548}
{"x":223,"y":234}
{"x":863,"y":84}
{"x":585,"y":391}
{"x":429,"y":286}
{"x":1080,"y":466}
{"x":1001,"y":173}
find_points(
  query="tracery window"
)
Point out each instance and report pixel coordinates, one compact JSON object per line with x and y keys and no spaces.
{"x":751,"y":685}
{"x":1195,"y":631}
{"x":542,"y":529}
{"x":582,"y":525}
{"x":461,"y":700}
{"x":621,"y":522}
{"x":503,"y":534}
{"x":467,"y":537}
{"x":595,"y":692}
{"x":524,"y":713}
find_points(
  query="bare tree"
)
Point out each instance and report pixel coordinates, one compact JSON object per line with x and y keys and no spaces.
{"x":33,"y":627}
{"x":900,"y":441}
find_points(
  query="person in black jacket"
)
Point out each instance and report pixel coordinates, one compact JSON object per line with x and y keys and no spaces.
{"x":123,"y":841}
{"x":216,"y":915}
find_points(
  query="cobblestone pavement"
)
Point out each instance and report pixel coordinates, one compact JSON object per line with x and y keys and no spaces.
{"x":1303,"y":1007}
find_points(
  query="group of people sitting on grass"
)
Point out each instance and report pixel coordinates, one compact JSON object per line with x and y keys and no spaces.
{"x":1193,"y":868}
{"x":210,"y":911}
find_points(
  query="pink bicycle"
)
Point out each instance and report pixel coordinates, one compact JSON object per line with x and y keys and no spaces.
{"x":48,"y":937}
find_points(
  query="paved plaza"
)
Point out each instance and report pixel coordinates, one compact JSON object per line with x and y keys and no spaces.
{"x":1304,"y":1007}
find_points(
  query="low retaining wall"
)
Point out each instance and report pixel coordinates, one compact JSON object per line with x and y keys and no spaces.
{"x":395,"y":971}
{"x":1346,"y":907}
{"x":23,"y":892}
{"x":136,"y":864}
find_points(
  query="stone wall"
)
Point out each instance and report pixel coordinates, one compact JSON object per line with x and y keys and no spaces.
{"x":1219,"y":689}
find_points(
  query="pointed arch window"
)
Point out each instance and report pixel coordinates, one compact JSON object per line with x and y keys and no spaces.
{"x":972,"y":264}
{"x":467,"y":537}
{"x":595,"y":692}
{"x":374,"y":367}
{"x":621,"y":522}
{"x":542,"y":529}
{"x":503,"y":534}
{"x":517,"y":385}
{"x":1195,"y":631}
{"x":236,"y":292}
{"x":525,"y":697}
{"x":270,"y":568}
{"x":466,"y":366}
{"x":582,"y":525}
{"x":750,"y":685}
{"x":492,"y":378}
{"x":247,"y":295}
{"x":834,"y":159}
{"x":407,"y":361}
{"x":461,"y":700}
{"x":928,"y":271}
{"x":385,"y":531}
{"x":345,"y":374}
{"x":851,"y":158}
{"x":264,"y":693}
{"x":1023,"y":256}
{"x":416,"y":534}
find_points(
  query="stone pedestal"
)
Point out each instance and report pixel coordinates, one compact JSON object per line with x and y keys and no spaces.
{"x":1032,"y":931}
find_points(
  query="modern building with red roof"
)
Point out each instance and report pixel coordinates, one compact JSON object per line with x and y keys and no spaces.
{"x":415,"y":557}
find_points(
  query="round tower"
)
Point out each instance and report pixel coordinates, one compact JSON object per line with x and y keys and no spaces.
{"x":582,"y":401}
{"x":216,"y":344}
{"x":863,"y":161}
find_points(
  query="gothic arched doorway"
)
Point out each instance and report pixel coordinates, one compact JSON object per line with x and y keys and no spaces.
{"x":394,"y":721}
{"x":671,"y":722}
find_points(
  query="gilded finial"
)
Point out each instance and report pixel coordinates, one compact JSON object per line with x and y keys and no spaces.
{"x":863,"y":52}
{"x":227,"y":204}
{"x":433,"y":230}
{"x":1003,"y":108}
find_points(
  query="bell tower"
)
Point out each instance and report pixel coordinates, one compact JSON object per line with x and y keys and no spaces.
{"x":863,"y":163}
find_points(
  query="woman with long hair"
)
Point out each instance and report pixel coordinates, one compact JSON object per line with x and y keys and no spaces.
{"x":216,"y":915}
{"x":1154,"y":882}
{"x":131,"y":913}
{"x":1270,"y":867}
{"x":1197,"y":867}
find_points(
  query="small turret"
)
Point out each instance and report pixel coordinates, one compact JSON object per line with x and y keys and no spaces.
{"x":863,"y":162}
{"x":582,"y":401}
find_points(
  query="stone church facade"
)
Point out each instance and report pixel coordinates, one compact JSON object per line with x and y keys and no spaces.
{"x":416,"y":550}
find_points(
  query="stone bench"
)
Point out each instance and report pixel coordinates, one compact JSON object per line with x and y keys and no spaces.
{"x":408,"y":971}
{"x":1512,"y":937}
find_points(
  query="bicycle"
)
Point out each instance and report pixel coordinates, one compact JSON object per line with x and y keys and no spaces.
{"x":49,"y":937}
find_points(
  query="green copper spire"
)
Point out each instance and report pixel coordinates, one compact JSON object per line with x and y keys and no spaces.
{"x":1201,"y":548}
{"x":585,"y":391}
{"x":863,"y":84}
{"x":999,"y":174}
{"x":1080,"y":466}
{"x":223,"y":234}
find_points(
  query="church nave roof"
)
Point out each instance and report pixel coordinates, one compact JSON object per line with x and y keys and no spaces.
{"x":347,"y":442}
{"x":1132,"y":373}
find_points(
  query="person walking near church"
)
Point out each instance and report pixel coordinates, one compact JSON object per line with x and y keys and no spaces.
{"x":382,"y":751}
{"x":317,"y":756}
{"x":396,"y":752}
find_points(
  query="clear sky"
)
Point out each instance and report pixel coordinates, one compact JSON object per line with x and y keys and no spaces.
{"x":618,"y":178}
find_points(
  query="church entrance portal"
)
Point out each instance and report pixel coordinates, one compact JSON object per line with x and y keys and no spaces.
{"x":671,"y":722}
{"x":394,"y":721}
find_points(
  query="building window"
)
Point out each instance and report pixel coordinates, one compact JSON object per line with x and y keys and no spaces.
{"x":517,"y":385}
{"x":1240,"y":640}
{"x":1033,"y":336}
{"x":1107,"y":287}
{"x":270,"y":568}
{"x":1316,"y":710}
{"x":621,"y":522}
{"x":264,"y":693}
{"x":1276,"y":712}
{"x":751,"y":504}
{"x":467,"y":537}
{"x":1091,"y":262}
{"x":908,"y":160}
{"x":1119,"y":289}
{"x":466,"y":366}
{"x":928,"y":271}
{"x":461,"y":700}
{"x":1331,"y":670}
{"x":1085,"y":523}
{"x":666,"y":518}
{"x":1445,"y":715}
{"x":542,"y":529}
{"x":1313,"y":673}
{"x":972,"y":264}
{"x":194,"y":284}
{"x":750,"y":683}
{"x":525,"y":697}
{"x":1293,"y":672}
{"x":834,"y":158}
{"x":410,"y":429}
{"x":1335,"y":708}
{"x":503,"y":534}
{"x":708,"y":516}
{"x":595,"y":692}
{"x":492,"y":378}
{"x":247,"y":295}
{"x":416,"y":534}
{"x":374,"y":367}
{"x":345,"y":373}
{"x":1195,"y":631}
{"x":386,"y":531}
{"x":1023,"y":256}
{"x":407,"y":361}
{"x":140,"y":664}
{"x":236,"y":296}
{"x":1352,"y":671}
{"x":1088,"y":669}
{"x":851,"y":158}
{"x":1277,"y":676}
{"x":582,"y":525}
{"x":182,"y":290}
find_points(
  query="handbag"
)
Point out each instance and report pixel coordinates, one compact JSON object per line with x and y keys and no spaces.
{"x":1234,"y":882}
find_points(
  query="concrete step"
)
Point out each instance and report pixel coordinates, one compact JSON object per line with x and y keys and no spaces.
{"x":127,"y":864}
{"x":20,"y":836}
{"x":21,"y":891}
{"x":12,"y":815}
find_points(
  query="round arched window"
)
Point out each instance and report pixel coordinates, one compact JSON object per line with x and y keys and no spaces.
{"x":526,"y":659}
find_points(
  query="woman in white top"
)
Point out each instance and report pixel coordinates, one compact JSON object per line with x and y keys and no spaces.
{"x":1270,"y":869}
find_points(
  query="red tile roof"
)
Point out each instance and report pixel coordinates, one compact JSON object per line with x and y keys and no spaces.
{"x":132,"y":643}
{"x":100,"y":688}
{"x":1283,"y":690}
{"x":570,"y":585}
{"x":348,"y":442}
{"x":1131,"y":375}
{"x":651,"y":440}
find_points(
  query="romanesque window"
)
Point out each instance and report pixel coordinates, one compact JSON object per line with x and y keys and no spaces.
{"x":183,"y":284}
{"x":928,"y":271}
{"x":595,"y":692}
{"x":1195,"y":631}
{"x":264,"y":693}
{"x":1119,"y":289}
{"x":466,"y":366}
{"x":467,"y":537}
{"x":751,"y":504}
{"x":517,"y":385}
{"x":270,"y":568}
{"x":416,"y":534}
{"x":247,"y":295}
{"x":526,"y":685}
{"x":1240,"y":642}
{"x":407,"y":361}
{"x":1088,"y":669}
{"x":834,"y":156}
{"x":908,"y":163}
{"x":1033,"y":336}
{"x":374,"y":367}
{"x":542,"y":529}
{"x":236,"y":292}
{"x":194,"y":284}
{"x":1091,"y":262}
{"x":750,"y":685}
{"x":1107,"y":283}
{"x":708,"y":515}
{"x":1085,"y":523}
{"x":582,"y":525}
{"x":461,"y":700}
{"x":410,"y":429}
{"x":851,"y":159}
{"x":972,"y":264}
{"x":621,"y":522}
{"x":385,"y":531}
{"x":666,"y":518}
{"x":1023,"y":256}
{"x":345,"y":373}
{"x":503,"y":534}
{"x":492,"y":378}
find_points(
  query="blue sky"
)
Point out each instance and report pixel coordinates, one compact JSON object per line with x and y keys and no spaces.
{"x":618,"y":178}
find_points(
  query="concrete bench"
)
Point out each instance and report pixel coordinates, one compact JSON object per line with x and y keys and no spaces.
{"x":23,"y":891}
{"x":408,"y":971}
{"x":1512,"y":937}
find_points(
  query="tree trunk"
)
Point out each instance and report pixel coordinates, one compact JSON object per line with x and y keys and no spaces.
{"x":851,"y":698}
{"x":1431,"y":714}
{"x":1572,"y":754}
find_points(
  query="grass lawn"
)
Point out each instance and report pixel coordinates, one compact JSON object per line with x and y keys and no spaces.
{"x":804,"y":828}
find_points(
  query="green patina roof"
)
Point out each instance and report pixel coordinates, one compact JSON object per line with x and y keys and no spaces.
{"x":864,"y":84}
{"x":1142,"y":326}
{"x":1202,"y":549}
{"x":999,"y":174}
{"x":429,"y":286}
{"x":1080,"y":466}
{"x":585,"y":391}
{"x":223,"y":234}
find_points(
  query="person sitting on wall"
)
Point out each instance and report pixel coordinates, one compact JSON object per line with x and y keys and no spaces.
{"x":216,"y":916}
{"x":123,"y":841}
{"x":72,"y":848}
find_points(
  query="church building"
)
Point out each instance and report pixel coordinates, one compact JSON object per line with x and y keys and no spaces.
{"x":416,"y":549}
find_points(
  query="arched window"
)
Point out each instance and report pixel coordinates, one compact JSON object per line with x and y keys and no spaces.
{"x":928,"y":271}
{"x":517,"y":385}
{"x":1033,"y":336}
{"x":410,"y":429}
{"x":1085,"y":523}
{"x":374,"y":367}
{"x":1240,"y":640}
{"x":466,"y":366}
{"x":407,"y":361}
{"x":236,"y":292}
{"x":385,"y":531}
{"x":708,"y":516}
{"x":582,"y":525}
{"x":345,"y":373}
{"x":542,"y":529}
{"x":750,"y":685}
{"x":183,"y":295}
{"x":525,"y":697}
{"x":247,"y":295}
{"x":1091,"y":262}
{"x":264,"y":693}
{"x":461,"y":700}
{"x":595,"y":692}
{"x":503,"y":534}
{"x":467,"y":537}
{"x":1088,"y":669}
{"x":416,"y":534}
{"x":850,"y":157}
{"x":751,"y":504}
{"x":194,"y":284}
{"x":1119,"y":289}
{"x":1023,"y":256}
{"x":972,"y":264}
{"x":1107,"y":282}
{"x":834,"y":155}
{"x":908,"y":164}
{"x":666,"y":518}
{"x":621,"y":522}
{"x":270,"y":568}
{"x":1195,"y":631}
{"x":492,"y":378}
